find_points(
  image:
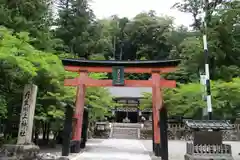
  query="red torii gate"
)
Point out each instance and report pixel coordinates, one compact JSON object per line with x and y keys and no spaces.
{"x":155,"y":68}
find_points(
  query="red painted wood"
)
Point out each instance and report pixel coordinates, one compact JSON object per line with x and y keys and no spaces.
{"x":126,"y":70}
{"x":72,"y":82}
{"x":154,"y":113}
{"x":78,"y":115}
{"x":157,"y":105}
{"x":128,"y":83}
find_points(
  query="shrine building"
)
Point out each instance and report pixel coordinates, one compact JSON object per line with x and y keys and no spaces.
{"x":130,"y":100}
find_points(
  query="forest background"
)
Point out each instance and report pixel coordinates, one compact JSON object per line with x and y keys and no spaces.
{"x":33,"y":40}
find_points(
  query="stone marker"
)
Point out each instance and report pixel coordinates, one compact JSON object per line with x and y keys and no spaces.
{"x":25,"y":149}
{"x":27,"y":115}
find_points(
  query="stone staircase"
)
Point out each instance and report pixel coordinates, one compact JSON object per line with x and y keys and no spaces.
{"x":125,"y":130}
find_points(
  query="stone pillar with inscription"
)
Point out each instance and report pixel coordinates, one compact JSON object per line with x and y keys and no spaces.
{"x":25,"y":149}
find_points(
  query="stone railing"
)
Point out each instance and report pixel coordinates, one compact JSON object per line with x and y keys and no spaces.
{"x":181,"y":132}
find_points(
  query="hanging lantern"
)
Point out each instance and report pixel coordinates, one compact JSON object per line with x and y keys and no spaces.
{"x":139,"y":113}
{"x":113,"y":112}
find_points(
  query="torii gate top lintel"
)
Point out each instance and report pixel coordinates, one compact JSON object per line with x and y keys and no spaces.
{"x":76,"y":65}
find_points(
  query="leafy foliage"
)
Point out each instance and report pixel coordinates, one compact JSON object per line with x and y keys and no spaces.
{"x":187,"y":100}
{"x":21,"y":64}
{"x":32,"y":43}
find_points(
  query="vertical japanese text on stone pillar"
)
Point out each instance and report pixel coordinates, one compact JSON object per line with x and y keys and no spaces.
{"x":27,"y":114}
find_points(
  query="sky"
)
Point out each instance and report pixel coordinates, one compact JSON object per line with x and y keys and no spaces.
{"x":130,"y":8}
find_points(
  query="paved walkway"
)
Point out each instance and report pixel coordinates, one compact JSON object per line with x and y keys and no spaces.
{"x":128,"y":149}
{"x":115,"y":149}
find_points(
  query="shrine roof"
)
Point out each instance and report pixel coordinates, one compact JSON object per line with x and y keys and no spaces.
{"x":128,"y":98}
{"x":128,"y":92}
{"x":110,"y":63}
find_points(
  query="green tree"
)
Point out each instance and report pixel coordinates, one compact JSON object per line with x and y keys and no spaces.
{"x":223,"y":40}
{"x":33,"y":16}
{"x":20,"y":64}
{"x":187,"y":100}
{"x":149,"y":33}
{"x":77,"y":29}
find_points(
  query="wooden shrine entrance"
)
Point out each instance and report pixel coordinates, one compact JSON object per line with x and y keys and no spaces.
{"x":118,"y":68}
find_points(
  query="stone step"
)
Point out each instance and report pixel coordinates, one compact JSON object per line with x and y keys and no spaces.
{"x":117,"y":133}
{"x":127,"y":133}
{"x":125,"y":137}
{"x":127,"y":125}
{"x":124,"y":129}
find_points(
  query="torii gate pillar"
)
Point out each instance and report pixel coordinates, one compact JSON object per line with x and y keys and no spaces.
{"x":157,"y":102}
{"x":78,"y":114}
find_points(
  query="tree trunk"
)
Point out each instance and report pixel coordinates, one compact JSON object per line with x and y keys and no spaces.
{"x":8,"y":124}
{"x":44,"y":131}
{"x":48,"y":130}
{"x":36,"y":132}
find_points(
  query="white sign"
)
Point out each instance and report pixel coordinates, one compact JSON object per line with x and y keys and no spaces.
{"x":205,"y":112}
{"x":203,"y":82}
{"x":203,"y":79}
{"x":27,"y":114}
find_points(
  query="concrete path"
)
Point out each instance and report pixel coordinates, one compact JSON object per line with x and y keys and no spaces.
{"x":128,"y":149}
{"x":115,"y":149}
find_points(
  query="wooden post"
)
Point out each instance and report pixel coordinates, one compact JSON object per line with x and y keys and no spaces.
{"x":153,"y":143}
{"x":78,"y":115}
{"x":67,"y":130}
{"x":163,"y":133}
{"x":84,"y":128}
{"x":157,"y":105}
